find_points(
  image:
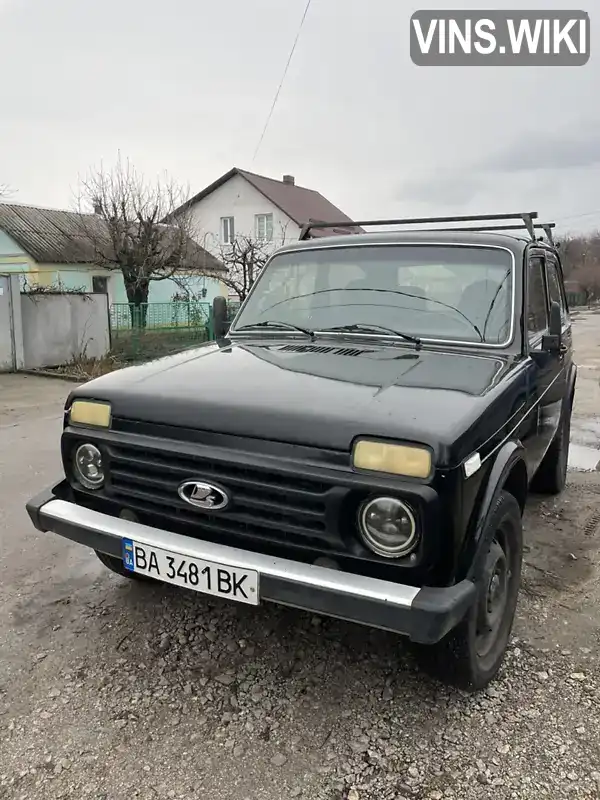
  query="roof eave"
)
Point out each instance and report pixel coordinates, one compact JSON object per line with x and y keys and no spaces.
{"x":202,"y":194}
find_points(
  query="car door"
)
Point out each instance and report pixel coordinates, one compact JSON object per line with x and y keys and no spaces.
{"x":556,"y":292}
{"x":545,"y":370}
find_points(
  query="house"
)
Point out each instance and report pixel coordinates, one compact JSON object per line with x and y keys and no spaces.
{"x":49,"y":247}
{"x":241,"y":203}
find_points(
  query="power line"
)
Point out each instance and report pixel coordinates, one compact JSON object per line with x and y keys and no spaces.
{"x":579,"y":216}
{"x":276,"y":98}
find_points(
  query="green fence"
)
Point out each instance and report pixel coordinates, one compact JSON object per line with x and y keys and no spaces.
{"x":150,"y":330}
{"x":154,"y":329}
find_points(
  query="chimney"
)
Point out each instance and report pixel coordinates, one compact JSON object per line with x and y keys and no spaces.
{"x":97,"y":207}
{"x":289,"y":179}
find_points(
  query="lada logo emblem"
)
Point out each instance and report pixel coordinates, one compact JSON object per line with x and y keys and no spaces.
{"x":203,"y":495}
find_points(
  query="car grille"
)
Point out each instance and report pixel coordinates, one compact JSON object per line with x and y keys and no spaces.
{"x":266,"y":504}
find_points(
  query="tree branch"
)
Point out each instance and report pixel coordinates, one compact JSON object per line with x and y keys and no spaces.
{"x":120,"y":227}
{"x":243,"y":260}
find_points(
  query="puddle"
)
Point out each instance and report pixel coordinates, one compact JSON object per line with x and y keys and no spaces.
{"x":584,"y":449}
{"x":586,"y":432}
{"x":583,"y":458}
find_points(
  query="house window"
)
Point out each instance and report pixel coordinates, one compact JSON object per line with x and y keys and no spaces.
{"x":264,"y":227}
{"x":99,"y":284}
{"x":227,"y":230}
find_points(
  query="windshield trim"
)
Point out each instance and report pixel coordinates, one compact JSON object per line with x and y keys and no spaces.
{"x":424,"y":339}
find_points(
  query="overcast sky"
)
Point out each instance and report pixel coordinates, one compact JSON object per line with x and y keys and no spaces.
{"x":186,"y":85}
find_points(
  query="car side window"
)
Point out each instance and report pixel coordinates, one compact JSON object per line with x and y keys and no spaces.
{"x":537,"y":312}
{"x":554,"y":289}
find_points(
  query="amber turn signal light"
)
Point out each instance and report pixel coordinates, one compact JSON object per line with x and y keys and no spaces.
{"x":395,"y":459}
{"x":90,"y":412}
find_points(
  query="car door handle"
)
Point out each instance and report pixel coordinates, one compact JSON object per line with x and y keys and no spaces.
{"x":563,"y":349}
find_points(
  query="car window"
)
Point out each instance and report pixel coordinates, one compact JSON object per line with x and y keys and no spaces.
{"x":554,"y":289}
{"x":286,"y":282}
{"x":537,"y":312}
{"x":456,"y":293}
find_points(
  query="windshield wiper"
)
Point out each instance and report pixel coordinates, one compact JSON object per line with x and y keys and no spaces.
{"x":274,"y":323}
{"x":373,"y":328}
{"x":385,"y":291}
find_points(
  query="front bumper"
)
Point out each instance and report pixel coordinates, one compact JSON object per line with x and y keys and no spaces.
{"x":425,"y":615}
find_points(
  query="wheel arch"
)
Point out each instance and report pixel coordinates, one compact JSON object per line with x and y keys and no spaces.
{"x":516,"y":482}
{"x":508,"y":473}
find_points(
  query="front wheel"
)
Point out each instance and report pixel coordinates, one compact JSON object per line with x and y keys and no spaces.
{"x":471,"y":655}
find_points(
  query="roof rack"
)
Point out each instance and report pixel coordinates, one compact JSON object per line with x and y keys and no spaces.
{"x":526,"y":218}
{"x":545,"y":226}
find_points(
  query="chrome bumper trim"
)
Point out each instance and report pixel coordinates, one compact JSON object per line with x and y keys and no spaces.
{"x":307,"y":575}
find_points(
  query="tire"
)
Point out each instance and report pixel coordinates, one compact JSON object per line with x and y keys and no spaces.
{"x":469,"y":657}
{"x":551,"y":475}
{"x":116,"y":565}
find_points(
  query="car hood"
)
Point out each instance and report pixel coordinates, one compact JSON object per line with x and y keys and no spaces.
{"x":323,"y":394}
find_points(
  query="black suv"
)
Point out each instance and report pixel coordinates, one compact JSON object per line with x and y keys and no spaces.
{"x":359,"y":442}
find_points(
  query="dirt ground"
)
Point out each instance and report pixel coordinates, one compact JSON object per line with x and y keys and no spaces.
{"x":112,"y":690}
{"x":562,"y":562}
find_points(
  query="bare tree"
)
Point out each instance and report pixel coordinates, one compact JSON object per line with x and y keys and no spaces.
{"x":588,"y":278}
{"x":580,"y":256}
{"x":188,"y":289}
{"x":127,"y":232}
{"x":577,"y":251}
{"x":243,"y":260}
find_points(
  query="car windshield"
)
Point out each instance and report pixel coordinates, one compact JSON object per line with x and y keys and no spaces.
{"x":454,"y":293}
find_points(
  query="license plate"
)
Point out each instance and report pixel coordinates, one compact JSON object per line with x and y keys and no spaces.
{"x":191,"y":573}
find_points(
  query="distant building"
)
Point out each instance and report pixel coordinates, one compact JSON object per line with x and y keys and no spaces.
{"x":241,"y":203}
{"x":47,"y":247}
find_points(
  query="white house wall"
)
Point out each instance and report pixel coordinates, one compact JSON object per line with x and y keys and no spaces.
{"x":238,"y":199}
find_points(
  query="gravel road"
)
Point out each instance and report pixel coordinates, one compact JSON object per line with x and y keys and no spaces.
{"x":111,"y":689}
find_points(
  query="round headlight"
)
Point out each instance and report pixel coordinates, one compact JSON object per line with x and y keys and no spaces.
{"x":388,"y":526}
{"x":87,"y":464}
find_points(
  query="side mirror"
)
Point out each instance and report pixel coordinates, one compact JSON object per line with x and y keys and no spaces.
{"x":552,"y":341}
{"x":220,"y":323}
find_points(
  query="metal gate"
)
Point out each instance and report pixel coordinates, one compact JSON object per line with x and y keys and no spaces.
{"x":7,"y":338}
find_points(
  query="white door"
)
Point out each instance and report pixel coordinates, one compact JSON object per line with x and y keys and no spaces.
{"x":7,"y":361}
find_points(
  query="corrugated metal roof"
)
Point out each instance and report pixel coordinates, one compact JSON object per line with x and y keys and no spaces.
{"x":52,"y":236}
{"x":49,"y":236}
